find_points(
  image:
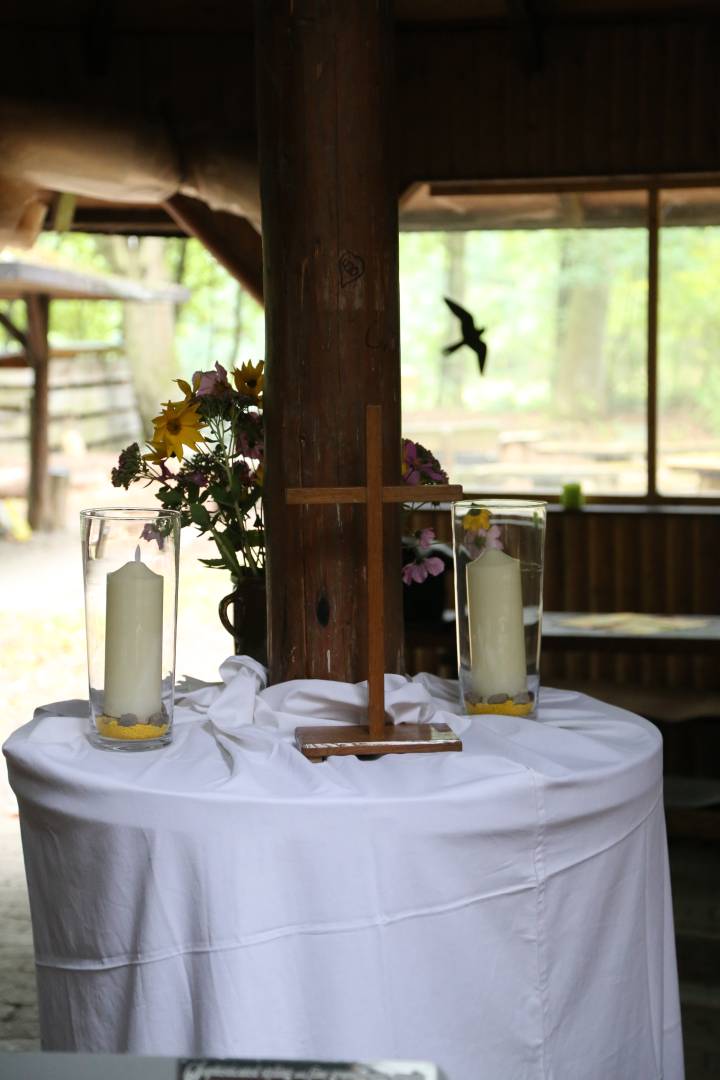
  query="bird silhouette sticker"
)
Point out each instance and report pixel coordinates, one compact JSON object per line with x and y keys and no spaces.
{"x":471,"y":336}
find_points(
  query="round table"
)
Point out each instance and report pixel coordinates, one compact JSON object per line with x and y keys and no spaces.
{"x":504,"y":911}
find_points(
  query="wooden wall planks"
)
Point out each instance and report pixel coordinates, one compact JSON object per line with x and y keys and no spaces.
{"x":646,"y":559}
{"x":611,"y":98}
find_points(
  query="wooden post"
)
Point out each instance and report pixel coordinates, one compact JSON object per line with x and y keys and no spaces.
{"x":375,"y":587}
{"x":652,"y":339}
{"x":38,"y":308}
{"x":330,"y":252}
{"x":379,"y":736}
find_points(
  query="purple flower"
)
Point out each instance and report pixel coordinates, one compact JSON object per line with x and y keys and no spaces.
{"x":211,"y":383}
{"x":419,"y":569}
{"x":410,"y":472}
{"x":198,"y":477}
{"x":128,"y":468}
{"x":151,"y":532}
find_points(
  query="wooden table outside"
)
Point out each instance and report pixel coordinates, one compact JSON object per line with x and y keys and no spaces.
{"x":601,"y":631}
{"x":631,"y":632}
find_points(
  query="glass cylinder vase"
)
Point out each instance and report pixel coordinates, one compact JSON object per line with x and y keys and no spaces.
{"x":499,"y":547}
{"x":130,"y":564}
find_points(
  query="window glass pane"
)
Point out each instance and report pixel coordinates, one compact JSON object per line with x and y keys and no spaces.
{"x":563,"y":397}
{"x":689,"y":343}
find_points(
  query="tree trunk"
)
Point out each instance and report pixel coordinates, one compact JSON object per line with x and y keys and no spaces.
{"x":580,"y":373}
{"x":454,"y":368}
{"x":330,"y":247}
{"x":148,"y":329}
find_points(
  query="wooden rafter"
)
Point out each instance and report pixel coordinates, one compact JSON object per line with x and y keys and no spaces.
{"x":232,"y":240}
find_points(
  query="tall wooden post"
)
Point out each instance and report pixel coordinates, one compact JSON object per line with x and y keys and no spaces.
{"x":38,"y":308}
{"x":330,"y":250}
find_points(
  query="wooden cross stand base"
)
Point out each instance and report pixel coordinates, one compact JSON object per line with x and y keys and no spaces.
{"x":380,"y":736}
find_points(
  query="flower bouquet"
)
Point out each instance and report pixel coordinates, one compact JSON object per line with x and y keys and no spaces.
{"x":218,"y":486}
{"x":206,"y":459}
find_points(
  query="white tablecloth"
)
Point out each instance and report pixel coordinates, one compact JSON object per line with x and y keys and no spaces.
{"x":505,"y":911}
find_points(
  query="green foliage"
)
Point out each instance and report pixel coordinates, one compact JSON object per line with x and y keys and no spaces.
{"x":220,"y":322}
{"x":528,"y":287}
{"x":517,"y":283}
{"x":689,"y":324}
{"x":78,"y":320}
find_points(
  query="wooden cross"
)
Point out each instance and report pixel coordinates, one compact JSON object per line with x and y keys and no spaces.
{"x":379,"y":737}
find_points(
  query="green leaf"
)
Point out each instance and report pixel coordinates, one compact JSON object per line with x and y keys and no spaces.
{"x":220,"y":494}
{"x":254,"y":537}
{"x":200,"y":516}
{"x":170,"y":497}
{"x":226,"y":550}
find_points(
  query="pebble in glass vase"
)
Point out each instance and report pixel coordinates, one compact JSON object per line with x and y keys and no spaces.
{"x":130,"y":561}
{"x":498,"y":548}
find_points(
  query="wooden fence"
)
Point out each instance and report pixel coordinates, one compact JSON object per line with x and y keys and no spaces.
{"x":91,"y":399}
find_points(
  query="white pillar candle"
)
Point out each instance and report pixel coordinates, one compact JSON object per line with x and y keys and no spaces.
{"x":133,"y":641}
{"x":495,"y":615}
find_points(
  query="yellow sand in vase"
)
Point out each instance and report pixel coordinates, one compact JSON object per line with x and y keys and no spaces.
{"x":509,"y":708}
{"x":113,"y":729}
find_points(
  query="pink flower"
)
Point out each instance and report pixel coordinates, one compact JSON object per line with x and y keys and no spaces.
{"x":419,"y":466}
{"x":426,"y":539}
{"x":242,"y":470}
{"x":247,"y":448}
{"x":492,"y":538}
{"x":250,"y":435}
{"x":419,"y":569}
{"x":478,"y":541}
{"x":211,"y":383}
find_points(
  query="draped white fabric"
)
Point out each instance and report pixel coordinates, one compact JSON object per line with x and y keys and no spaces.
{"x":504,"y":911}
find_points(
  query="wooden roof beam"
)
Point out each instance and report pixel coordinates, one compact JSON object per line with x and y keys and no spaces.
{"x":232,"y":240}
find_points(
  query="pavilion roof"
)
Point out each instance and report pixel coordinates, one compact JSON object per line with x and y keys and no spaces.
{"x":23,"y":276}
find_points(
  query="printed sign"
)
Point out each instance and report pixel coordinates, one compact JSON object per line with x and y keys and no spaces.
{"x":305,"y":1070}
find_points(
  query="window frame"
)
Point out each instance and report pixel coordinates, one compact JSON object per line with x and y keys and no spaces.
{"x":653,"y":185}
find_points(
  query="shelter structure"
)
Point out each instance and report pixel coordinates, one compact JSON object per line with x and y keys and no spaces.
{"x":293,"y":137}
{"x":37,"y":284}
{"x":319,"y":130}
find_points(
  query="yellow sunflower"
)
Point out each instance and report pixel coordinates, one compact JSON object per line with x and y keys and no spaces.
{"x":177,"y":425}
{"x":249,"y":380}
{"x":185,"y":386}
{"x":157,"y":453}
{"x":476,"y":519}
